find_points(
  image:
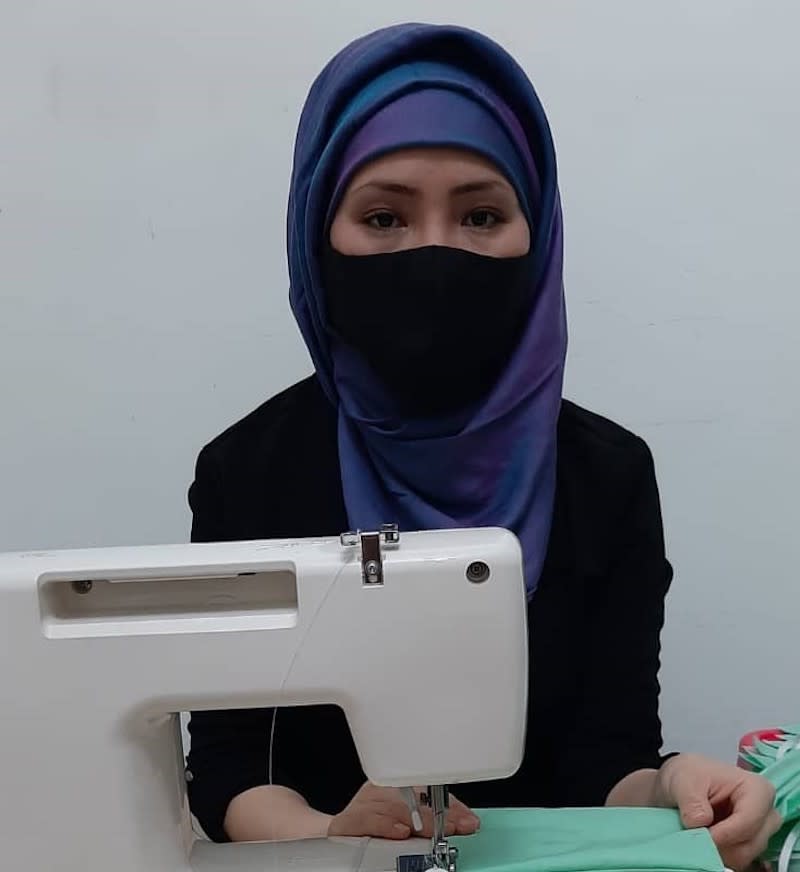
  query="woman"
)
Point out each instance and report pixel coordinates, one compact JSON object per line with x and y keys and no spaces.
{"x":425,"y":255}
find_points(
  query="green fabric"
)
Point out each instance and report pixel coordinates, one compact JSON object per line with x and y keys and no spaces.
{"x":778,"y":760}
{"x":785,"y":777}
{"x":776,"y":843}
{"x":765,"y":751}
{"x":585,"y":840}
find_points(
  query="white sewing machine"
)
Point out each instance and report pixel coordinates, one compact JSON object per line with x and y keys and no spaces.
{"x":420,"y":638}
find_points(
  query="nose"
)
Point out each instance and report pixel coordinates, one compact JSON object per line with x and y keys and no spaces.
{"x":436,"y":230}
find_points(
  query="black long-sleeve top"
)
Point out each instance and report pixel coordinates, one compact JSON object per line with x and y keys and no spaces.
{"x":594,"y":621}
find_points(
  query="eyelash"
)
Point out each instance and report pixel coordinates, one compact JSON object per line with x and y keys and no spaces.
{"x":369,"y":219}
{"x":496,"y":216}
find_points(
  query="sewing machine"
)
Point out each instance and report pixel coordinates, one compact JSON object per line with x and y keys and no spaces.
{"x":419,"y":637}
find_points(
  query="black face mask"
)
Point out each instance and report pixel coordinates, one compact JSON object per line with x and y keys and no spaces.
{"x":435,"y":324}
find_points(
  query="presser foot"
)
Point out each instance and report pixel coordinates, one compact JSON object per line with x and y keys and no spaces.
{"x":442,"y":856}
{"x":429,"y":862}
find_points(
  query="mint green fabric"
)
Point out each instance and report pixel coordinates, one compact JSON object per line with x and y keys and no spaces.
{"x":777,"y":758}
{"x":785,"y":777}
{"x":763,"y":752}
{"x":585,"y":840}
{"x":777,"y":842}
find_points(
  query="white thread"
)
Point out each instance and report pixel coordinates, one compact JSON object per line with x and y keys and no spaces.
{"x":291,"y":666}
{"x":271,"y":743}
{"x":787,"y":746}
{"x":787,"y":850}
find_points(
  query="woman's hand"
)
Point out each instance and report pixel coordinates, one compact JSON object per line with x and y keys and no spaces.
{"x":736,"y":806}
{"x":382,"y":813}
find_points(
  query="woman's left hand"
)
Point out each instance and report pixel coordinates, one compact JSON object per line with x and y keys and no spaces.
{"x":737,"y":806}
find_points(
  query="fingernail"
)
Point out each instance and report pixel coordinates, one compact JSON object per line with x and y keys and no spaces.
{"x":401,"y":829}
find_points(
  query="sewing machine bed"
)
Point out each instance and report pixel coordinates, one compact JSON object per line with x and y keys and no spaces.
{"x":539,"y":840}
{"x":319,"y":855}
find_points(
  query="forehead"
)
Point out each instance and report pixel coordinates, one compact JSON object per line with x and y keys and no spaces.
{"x":446,"y":165}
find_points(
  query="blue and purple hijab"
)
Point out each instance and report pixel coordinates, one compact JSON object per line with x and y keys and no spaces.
{"x":493,"y":464}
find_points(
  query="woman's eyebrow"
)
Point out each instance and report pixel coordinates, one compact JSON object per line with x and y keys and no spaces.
{"x":386,"y":187}
{"x":477,"y":185}
{"x":480,"y":185}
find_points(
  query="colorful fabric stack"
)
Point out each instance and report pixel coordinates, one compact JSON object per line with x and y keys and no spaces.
{"x":774,"y":754}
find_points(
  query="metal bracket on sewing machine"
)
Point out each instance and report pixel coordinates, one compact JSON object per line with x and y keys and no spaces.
{"x":443,"y":857}
{"x":372,"y":545}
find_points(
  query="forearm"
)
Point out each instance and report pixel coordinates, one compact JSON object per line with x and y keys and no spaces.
{"x":273,"y":813}
{"x":639,"y":789}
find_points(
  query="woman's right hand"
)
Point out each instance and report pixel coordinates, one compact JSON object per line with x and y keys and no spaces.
{"x":381,"y":812}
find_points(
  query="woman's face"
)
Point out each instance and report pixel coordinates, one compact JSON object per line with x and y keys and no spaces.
{"x":430,"y":196}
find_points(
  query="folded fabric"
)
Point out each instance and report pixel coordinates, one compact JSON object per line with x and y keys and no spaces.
{"x":760,"y":748}
{"x":781,"y":853}
{"x":586,"y":840}
{"x":774,"y":754}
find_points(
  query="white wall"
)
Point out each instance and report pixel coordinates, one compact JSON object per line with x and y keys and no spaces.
{"x":144,"y":157}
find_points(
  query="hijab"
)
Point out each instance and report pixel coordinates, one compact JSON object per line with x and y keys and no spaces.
{"x":492,"y":463}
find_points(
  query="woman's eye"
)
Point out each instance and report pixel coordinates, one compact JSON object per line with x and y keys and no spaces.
{"x":481,"y":218}
{"x":383,"y":220}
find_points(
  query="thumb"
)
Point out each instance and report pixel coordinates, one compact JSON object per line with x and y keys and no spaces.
{"x":685,"y":785}
{"x":694,"y":806}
